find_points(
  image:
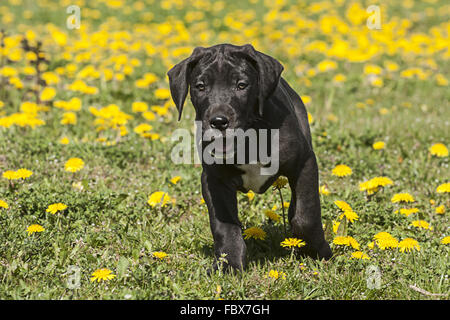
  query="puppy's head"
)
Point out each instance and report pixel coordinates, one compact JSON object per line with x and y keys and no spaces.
{"x":228,"y":84}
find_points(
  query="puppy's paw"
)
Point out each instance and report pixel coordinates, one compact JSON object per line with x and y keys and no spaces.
{"x":322,"y":251}
{"x":223,"y":267}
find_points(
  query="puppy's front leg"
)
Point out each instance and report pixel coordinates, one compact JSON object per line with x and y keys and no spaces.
{"x":223,"y":218}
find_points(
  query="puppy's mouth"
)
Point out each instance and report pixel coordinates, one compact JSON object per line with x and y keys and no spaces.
{"x":222,"y":147}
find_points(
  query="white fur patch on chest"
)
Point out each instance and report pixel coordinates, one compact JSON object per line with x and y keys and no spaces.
{"x":252,"y":179}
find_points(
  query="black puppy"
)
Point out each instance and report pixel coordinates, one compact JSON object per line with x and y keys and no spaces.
{"x":237,"y":87}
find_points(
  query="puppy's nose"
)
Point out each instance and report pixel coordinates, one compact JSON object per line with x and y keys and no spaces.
{"x":219,"y":122}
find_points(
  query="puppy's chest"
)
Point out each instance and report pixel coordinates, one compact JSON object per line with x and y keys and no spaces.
{"x":252,"y":179}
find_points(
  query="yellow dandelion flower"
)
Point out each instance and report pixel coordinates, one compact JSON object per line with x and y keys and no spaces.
{"x":336,"y":226}
{"x":34,"y":228}
{"x":360,"y":255}
{"x":310,"y":118}
{"x":69,"y":118}
{"x":54,"y":208}
{"x":274,"y":274}
{"x":353,"y":243}
{"x":10,"y":175}
{"x":123,"y":131}
{"x":162,"y":93}
{"x":338,"y":78}
{"x":443,"y":188}
{"x":142,"y":128}
{"x":24,"y":173}
{"x":438,"y":150}
{"x":402,"y":197}
{"x":440,"y":209}
{"x":406,"y":212}
{"x":408,"y":245}
{"x":218,"y":291}
{"x":421,"y":224}
{"x":324,"y":190}
{"x":350,"y":215}
{"x":385,"y":240}
{"x":74,"y":165}
{"x":161,"y":111}
{"x":377,"y":82}
{"x":372,"y":69}
{"x":47,"y":94}
{"x":382,"y":181}
{"x":175,"y":179}
{"x":102,"y":275}
{"x":254,"y":232}
{"x":387,"y":243}
{"x":150,"y":135}
{"x":341,"y":170}
{"x":379,"y":145}
{"x":326,"y":65}
{"x":445,"y":240}
{"x":159,"y":255}
{"x":64,"y":140}
{"x":382,"y":235}
{"x":250,"y":195}
{"x":139,"y":106}
{"x":306,"y":99}
{"x":148,"y":115}
{"x":19,"y":174}
{"x":3,"y":204}
{"x":391,"y":66}
{"x":292,"y":242}
{"x":272,"y":215}
{"x":441,"y":80}
{"x":280,"y":182}
{"x":344,"y":206}
{"x":371,"y":186}
{"x":346,"y":241}
{"x":159,"y":198}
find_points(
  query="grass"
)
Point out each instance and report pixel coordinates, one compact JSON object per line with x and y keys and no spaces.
{"x":109,"y":224}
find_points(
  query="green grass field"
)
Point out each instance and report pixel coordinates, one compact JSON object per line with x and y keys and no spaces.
{"x":360,"y":85}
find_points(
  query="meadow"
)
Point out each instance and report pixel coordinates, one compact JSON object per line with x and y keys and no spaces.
{"x":92,"y":207}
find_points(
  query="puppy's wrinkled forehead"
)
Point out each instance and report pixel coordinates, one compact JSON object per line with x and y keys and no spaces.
{"x":222,"y":63}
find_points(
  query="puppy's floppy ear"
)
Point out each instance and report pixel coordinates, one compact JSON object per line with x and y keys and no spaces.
{"x":269,"y":72}
{"x":178,"y":78}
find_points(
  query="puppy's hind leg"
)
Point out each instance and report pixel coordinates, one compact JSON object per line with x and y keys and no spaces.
{"x":304,"y":211}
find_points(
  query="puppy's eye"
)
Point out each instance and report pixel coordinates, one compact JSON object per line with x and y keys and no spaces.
{"x":200,"y":86}
{"x":242,"y":85}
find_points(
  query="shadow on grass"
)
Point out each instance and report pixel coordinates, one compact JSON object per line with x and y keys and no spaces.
{"x":260,"y":251}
